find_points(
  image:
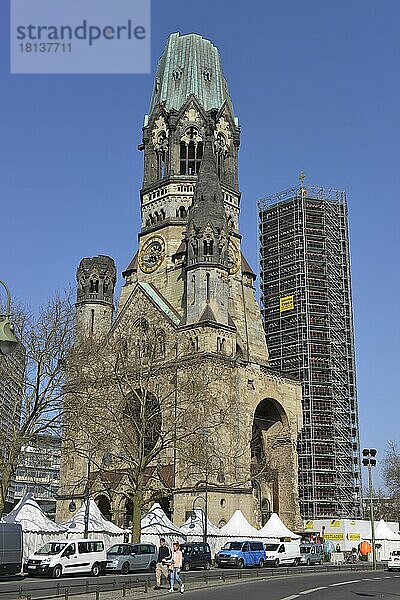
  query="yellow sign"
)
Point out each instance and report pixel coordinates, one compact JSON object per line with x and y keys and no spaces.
{"x":335,"y":523}
{"x":309,"y":525}
{"x":333,"y":536}
{"x":353,"y":537}
{"x":287,"y":303}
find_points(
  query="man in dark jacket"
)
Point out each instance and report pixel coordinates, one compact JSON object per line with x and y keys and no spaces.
{"x":164,"y":555}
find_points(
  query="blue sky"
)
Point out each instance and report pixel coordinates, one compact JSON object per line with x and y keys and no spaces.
{"x":315,"y":86}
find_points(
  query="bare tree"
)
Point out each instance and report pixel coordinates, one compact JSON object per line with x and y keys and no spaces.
{"x":391,"y":477}
{"x":138,"y":397}
{"x":32,"y":381}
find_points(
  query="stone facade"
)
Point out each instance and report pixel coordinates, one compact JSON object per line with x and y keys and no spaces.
{"x":191,"y":279}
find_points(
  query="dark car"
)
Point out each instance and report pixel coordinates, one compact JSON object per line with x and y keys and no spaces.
{"x":196,"y":555}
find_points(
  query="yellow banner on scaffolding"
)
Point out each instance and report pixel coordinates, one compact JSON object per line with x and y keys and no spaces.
{"x":309,"y":525}
{"x":354,"y":537}
{"x":335,"y":523}
{"x":287,"y":303}
{"x":335,"y":537}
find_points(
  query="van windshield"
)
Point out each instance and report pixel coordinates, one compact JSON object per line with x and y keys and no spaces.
{"x":51,"y":548}
{"x":233,"y":546}
{"x":271,"y":547}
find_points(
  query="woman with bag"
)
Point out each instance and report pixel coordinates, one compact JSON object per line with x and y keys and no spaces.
{"x":175,"y":567}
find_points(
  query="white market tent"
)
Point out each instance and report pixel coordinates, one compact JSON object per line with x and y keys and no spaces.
{"x":386,"y":540}
{"x":275,"y":528}
{"x":239,"y":528}
{"x":98,"y":526}
{"x":36,"y":527}
{"x":193,"y":528}
{"x":156,"y":524}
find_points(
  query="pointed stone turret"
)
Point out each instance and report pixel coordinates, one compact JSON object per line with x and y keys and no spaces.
{"x":207,"y":237}
{"x":207,"y":232}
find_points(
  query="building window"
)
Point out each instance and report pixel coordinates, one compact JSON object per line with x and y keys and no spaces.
{"x":208,"y":247}
{"x":191,"y":152}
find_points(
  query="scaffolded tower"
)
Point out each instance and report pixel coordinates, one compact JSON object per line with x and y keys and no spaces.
{"x":307,"y":311}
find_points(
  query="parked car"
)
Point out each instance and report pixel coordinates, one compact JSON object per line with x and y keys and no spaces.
{"x":195,"y":555}
{"x":63,"y":557}
{"x":131,"y":557}
{"x":282,"y":553}
{"x":394,"y":561}
{"x":241,"y":554}
{"x":311,"y":554}
{"x":10,"y":548}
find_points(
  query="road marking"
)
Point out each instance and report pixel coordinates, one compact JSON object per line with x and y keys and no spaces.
{"x":310,"y":591}
{"x":346,"y":582}
{"x":291,"y":597}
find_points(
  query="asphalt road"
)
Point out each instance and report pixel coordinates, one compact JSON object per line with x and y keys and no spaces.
{"x":283,"y":585}
{"x":316,"y":586}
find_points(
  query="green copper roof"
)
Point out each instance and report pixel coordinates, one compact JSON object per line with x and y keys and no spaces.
{"x":190,"y":64}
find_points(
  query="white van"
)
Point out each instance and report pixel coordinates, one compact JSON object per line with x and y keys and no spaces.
{"x":282,"y":553}
{"x":62,"y":557}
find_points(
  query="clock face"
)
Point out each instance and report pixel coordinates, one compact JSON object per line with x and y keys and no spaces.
{"x":234,"y":259}
{"x":152,"y":254}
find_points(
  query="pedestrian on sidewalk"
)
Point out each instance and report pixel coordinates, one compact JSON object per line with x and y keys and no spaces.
{"x":176,"y":566}
{"x":164,"y":557}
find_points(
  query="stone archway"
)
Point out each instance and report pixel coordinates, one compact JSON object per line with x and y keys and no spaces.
{"x":269,"y":451}
{"x":104,"y":505}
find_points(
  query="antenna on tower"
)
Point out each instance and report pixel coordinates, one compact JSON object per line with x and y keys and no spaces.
{"x":302,"y":177}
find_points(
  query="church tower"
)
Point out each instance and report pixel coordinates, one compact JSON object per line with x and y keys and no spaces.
{"x":189,"y":279}
{"x":95,"y":295}
{"x":189,"y":263}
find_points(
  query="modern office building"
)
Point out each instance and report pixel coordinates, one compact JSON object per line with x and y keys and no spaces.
{"x":39,"y":472}
{"x":307,"y":311}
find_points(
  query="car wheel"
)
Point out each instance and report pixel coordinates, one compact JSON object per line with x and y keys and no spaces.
{"x":261,"y":563}
{"x":207,"y":566}
{"x":152,"y":566}
{"x":186,"y":566}
{"x":95,"y":571}
{"x":276,"y":562}
{"x":57,"y":572}
{"x":240,"y":563}
{"x":125,"y":568}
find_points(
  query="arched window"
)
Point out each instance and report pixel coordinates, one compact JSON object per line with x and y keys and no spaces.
{"x":161,"y":343}
{"x":191,"y":152}
{"x":181,"y":213}
{"x":221,"y":151}
{"x":142,"y":419}
{"x":94,"y":286}
{"x":208,"y":247}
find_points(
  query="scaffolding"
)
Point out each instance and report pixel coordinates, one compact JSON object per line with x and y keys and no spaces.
{"x":307,"y":311}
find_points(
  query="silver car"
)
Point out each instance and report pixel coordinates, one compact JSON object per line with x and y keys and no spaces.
{"x":131,"y":557}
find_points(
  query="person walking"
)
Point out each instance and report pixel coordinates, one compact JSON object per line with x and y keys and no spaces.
{"x":164,"y":557}
{"x":176,"y":566}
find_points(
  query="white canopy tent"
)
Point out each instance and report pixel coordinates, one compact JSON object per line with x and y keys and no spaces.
{"x":193,"y":528}
{"x":156,"y":524}
{"x":239,"y":528}
{"x":98,"y":526}
{"x":386,"y":540}
{"x":36,"y":527}
{"x":275,"y":528}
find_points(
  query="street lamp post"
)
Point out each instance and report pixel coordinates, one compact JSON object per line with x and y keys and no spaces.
{"x":369,"y":461}
{"x":204,"y":515}
{"x":8,"y":340}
